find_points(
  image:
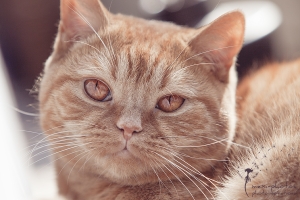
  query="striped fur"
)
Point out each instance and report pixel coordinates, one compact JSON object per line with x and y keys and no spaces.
{"x":141,"y":61}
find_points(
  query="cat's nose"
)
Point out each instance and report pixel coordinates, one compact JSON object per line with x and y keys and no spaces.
{"x":129,"y":128}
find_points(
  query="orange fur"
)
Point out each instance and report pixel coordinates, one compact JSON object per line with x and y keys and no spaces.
{"x":269,"y":124}
{"x":176,"y":155}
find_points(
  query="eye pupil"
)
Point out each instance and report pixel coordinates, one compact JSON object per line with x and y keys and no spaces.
{"x":170,"y":103}
{"x":170,"y":99}
{"x":97,"y":90}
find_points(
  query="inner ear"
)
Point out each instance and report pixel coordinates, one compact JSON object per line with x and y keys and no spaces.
{"x":221,"y":41}
{"x":81,"y":18}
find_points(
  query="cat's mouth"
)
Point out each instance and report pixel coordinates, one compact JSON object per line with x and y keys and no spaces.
{"x":125,"y":152}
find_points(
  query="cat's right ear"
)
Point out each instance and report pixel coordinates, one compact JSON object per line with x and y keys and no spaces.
{"x":220,"y":42}
{"x":81,"y":18}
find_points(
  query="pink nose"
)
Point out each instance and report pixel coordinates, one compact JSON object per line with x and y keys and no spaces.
{"x":129,"y":129}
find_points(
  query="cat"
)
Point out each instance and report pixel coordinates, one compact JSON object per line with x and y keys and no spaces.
{"x":268,"y":109}
{"x":137,"y":109}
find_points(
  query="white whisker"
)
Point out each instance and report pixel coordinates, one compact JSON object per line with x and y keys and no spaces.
{"x":182,"y":171}
{"x":85,"y":153}
{"x":51,"y":135}
{"x":197,"y":158}
{"x":205,"y":145}
{"x":25,"y":113}
{"x":204,"y":52}
{"x":90,"y":25}
{"x":167,"y":177}
{"x":179,"y":181}
{"x":159,"y":180}
{"x":240,"y":145}
{"x":74,"y":146}
{"x":178,"y":169}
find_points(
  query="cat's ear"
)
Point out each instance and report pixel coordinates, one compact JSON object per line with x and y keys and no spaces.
{"x":221,"y":41}
{"x":81,"y":18}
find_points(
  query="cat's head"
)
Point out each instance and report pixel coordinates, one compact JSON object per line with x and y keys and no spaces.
{"x":128,"y":98}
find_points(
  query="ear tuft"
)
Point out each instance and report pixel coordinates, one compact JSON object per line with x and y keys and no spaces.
{"x":221,"y":41}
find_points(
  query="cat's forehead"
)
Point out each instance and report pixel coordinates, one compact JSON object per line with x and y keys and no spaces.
{"x":135,"y":53}
{"x":135,"y":69}
{"x":130,"y":66}
{"x":146,"y":30}
{"x":138,"y":46}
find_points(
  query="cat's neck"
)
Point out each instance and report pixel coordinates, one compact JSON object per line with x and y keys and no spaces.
{"x":78,"y":183}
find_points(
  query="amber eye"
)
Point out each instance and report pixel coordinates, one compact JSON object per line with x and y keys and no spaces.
{"x":97,"y":90}
{"x":170,"y":103}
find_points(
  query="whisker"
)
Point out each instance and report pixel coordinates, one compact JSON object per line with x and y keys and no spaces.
{"x":85,"y":43}
{"x":74,"y":146}
{"x":185,"y":67}
{"x":34,"y":132}
{"x":86,"y":160}
{"x":198,"y":136}
{"x":109,"y":37}
{"x":167,"y":177}
{"x":185,"y":155}
{"x":194,"y":170}
{"x":180,"y":136}
{"x":90,"y":25}
{"x":46,"y":138}
{"x":205,"y":185}
{"x":159,"y":180}
{"x":43,"y":133}
{"x":24,"y":112}
{"x":179,"y":180}
{"x":95,"y":32}
{"x":77,"y":151}
{"x":54,"y":133}
{"x":186,"y":173}
{"x":85,"y":153}
{"x":53,"y":148}
{"x":204,"y":52}
{"x":205,"y":145}
{"x":102,"y":53}
{"x":240,"y":145}
{"x":179,"y":55}
{"x":56,"y":139}
{"x":173,"y":173}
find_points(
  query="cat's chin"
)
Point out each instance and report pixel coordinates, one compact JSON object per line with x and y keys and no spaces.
{"x":123,"y":168}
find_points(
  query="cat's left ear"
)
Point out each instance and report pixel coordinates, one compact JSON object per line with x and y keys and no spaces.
{"x":220,"y":42}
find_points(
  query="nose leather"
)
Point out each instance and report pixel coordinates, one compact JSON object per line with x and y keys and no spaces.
{"x":129,"y":127}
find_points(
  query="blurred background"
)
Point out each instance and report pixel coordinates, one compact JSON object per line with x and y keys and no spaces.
{"x":28,"y":28}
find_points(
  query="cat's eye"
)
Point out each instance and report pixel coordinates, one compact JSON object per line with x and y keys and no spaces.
{"x":170,"y":103}
{"x":97,"y":90}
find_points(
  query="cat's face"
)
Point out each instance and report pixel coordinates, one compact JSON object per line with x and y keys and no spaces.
{"x":139,"y":97}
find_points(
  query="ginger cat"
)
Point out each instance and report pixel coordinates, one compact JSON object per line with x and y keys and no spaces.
{"x":136,"y":109}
